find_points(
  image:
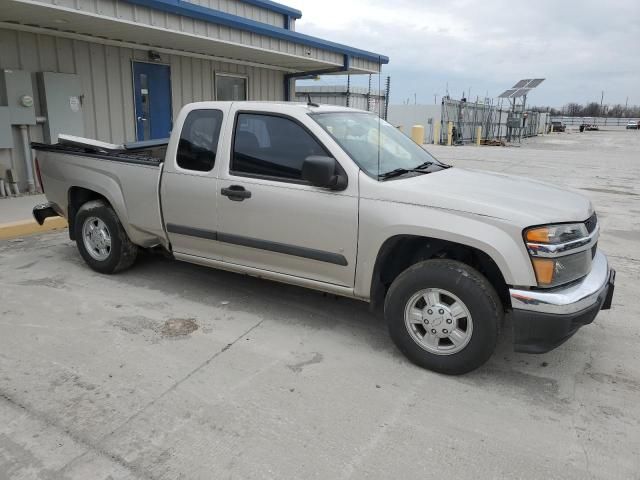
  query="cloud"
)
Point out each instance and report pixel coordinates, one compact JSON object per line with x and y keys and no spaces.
{"x":581,"y":48}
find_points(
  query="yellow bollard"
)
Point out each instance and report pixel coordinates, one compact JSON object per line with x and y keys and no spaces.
{"x":478,"y":135}
{"x":449,"y":134}
{"x":436,"y":133}
{"x":417,"y":134}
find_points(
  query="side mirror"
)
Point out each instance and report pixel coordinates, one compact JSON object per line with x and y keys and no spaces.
{"x":322,"y":172}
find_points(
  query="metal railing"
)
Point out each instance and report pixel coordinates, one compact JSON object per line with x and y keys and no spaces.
{"x":600,"y":121}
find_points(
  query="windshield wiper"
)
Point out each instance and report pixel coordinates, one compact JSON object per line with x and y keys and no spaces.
{"x":401,"y":171}
{"x":393,"y":173}
{"x":422,"y":166}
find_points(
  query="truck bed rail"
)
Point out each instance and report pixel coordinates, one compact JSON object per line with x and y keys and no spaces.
{"x":149,"y":157}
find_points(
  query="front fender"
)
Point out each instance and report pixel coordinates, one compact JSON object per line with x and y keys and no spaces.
{"x":382,"y":220}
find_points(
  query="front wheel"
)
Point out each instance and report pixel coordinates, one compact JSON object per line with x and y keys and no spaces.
{"x":101,"y":239}
{"x":444,"y":316}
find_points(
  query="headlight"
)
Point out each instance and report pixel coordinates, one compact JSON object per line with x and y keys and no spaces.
{"x":560,"y":253}
{"x":554,"y":234}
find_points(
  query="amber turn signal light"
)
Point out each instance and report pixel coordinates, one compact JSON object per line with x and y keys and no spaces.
{"x":544,"y":268}
{"x":538,"y":235}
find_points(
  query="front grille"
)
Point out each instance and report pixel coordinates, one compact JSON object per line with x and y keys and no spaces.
{"x":591,"y":223}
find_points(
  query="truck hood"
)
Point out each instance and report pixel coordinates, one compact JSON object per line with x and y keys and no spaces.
{"x":518,"y":200}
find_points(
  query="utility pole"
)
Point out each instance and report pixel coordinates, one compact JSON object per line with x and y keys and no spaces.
{"x":435,"y":98}
{"x":415,"y":98}
{"x":348,"y":93}
{"x":601,"y":99}
{"x":626,"y":104}
{"x":387,"y":95}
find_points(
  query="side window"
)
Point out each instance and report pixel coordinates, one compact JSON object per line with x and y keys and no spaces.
{"x":199,"y":140}
{"x":271,"y":146}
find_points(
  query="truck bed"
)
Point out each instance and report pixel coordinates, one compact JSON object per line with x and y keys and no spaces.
{"x":150,"y":156}
{"x":126,"y":176}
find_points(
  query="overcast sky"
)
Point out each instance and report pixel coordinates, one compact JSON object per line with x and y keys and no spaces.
{"x":580,"y":47}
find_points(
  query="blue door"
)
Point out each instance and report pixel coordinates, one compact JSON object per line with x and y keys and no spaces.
{"x":152,"y":92}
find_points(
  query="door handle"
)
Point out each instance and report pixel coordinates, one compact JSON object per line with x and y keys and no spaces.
{"x":142,"y":119}
{"x":236,"y":193}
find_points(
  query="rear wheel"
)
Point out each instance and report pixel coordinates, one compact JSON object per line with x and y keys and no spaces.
{"x":101,"y":239}
{"x":444,"y":315}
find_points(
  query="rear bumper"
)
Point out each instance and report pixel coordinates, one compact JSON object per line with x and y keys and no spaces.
{"x":45,"y":210}
{"x":544,"y":319}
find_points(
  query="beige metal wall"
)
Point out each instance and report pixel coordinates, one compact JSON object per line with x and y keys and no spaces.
{"x":106,"y":76}
{"x":358,"y":63}
{"x":241,"y":9}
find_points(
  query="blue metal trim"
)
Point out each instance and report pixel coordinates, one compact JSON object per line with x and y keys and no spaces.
{"x":186,"y":9}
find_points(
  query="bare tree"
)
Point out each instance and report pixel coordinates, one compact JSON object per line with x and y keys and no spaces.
{"x":591,"y":110}
{"x":573,"y":109}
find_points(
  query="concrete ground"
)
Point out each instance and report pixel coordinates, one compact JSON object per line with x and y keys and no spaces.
{"x":171,"y":370}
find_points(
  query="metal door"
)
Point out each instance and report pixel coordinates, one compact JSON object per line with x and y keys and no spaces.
{"x":152,"y":92}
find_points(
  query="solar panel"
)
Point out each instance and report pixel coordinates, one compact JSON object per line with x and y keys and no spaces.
{"x":521,"y":83}
{"x":522,"y":88}
{"x":507,"y":93}
{"x":535,"y":82}
{"x":520,"y":92}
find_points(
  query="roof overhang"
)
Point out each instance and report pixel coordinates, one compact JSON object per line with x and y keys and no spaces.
{"x":57,"y":18}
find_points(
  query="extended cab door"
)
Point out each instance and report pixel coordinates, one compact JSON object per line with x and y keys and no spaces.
{"x":188,"y":189}
{"x":269,"y":218}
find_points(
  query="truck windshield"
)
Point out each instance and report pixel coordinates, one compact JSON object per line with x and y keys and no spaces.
{"x":375,"y":145}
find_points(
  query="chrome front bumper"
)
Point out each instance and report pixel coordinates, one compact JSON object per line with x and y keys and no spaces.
{"x":544,"y":319}
{"x":568,"y":300}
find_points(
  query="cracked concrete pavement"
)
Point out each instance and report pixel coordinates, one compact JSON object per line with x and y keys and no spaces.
{"x":172,"y":370}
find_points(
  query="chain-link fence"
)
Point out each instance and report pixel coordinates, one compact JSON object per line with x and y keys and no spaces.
{"x":496,"y":121}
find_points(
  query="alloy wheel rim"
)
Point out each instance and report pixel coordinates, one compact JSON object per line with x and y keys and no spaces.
{"x":438,"y":321}
{"x":96,"y":238}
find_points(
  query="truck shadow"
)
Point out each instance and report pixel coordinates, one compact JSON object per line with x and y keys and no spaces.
{"x":276,"y":301}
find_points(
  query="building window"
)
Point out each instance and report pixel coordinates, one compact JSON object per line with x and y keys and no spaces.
{"x":199,"y":140}
{"x":231,"y":87}
{"x":271,"y":146}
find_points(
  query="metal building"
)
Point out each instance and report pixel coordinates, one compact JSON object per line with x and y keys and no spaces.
{"x":119,"y":70}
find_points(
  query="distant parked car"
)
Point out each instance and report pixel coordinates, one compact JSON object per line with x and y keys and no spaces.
{"x":589,"y":127}
{"x":633,"y":125}
{"x":558,"y":127}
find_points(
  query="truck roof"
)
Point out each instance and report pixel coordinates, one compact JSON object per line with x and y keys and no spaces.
{"x":281,"y":107}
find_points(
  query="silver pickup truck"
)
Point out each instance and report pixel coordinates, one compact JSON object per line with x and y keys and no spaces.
{"x":333,"y":199}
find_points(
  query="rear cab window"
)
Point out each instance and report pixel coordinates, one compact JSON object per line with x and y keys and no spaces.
{"x":198,"y":143}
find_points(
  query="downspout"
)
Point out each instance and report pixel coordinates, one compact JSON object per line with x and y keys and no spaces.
{"x":292,"y":76}
{"x":28,"y":159}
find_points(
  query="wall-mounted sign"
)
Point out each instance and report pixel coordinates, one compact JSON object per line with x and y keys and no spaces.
{"x":74,"y":103}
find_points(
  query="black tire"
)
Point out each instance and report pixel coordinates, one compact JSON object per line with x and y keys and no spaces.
{"x":473,"y":290}
{"x":122,"y":253}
